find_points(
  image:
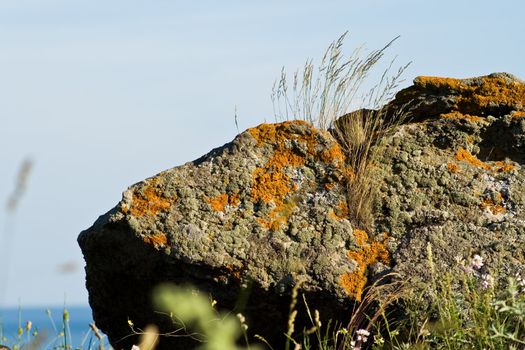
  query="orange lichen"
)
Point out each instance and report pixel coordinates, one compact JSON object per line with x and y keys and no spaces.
{"x":518,"y":114}
{"x":271,"y":133}
{"x":370,"y":252}
{"x":498,"y":90}
{"x":157,"y":240}
{"x":270,"y":186}
{"x":502,"y":167}
{"x":333,"y":155}
{"x":149,"y":200}
{"x":331,"y":214}
{"x":278,"y":217}
{"x":361,"y":237}
{"x":234,"y":200}
{"x":439,"y":82}
{"x":495,"y":206}
{"x":459,"y":116}
{"x":498,"y":167}
{"x":453,"y":167}
{"x":464,"y":155}
{"x":329,"y":185}
{"x":490,"y":91}
{"x":271,"y":182}
{"x":234,"y":271}
{"x":341,"y":212}
{"x":220,"y":202}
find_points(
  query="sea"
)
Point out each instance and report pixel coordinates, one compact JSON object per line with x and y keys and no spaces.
{"x":48,"y":329}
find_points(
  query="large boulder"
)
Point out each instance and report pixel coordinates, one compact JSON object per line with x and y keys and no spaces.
{"x":271,"y":208}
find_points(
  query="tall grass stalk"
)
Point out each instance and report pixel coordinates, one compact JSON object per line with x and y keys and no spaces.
{"x":320,"y":96}
{"x":326,"y":96}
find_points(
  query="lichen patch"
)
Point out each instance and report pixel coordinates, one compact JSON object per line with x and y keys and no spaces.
{"x":455,"y":115}
{"x":220,"y":202}
{"x":149,"y":200}
{"x":493,"y":90}
{"x":341,"y":212}
{"x":503,"y":167}
{"x":272,"y":183}
{"x":370,"y":252}
{"x":465,"y":156}
{"x":453,"y":167}
{"x":333,"y":155}
{"x":518,"y":114}
{"x":495,"y":206}
{"x":158,"y":240}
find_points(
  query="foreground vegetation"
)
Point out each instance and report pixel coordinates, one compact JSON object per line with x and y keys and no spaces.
{"x":31,"y":336}
{"x":467,"y":307}
{"x":464,"y":308}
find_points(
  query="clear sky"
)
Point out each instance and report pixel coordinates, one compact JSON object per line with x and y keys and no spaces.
{"x":102,"y":94}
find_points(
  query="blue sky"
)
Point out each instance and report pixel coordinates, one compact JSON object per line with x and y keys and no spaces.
{"x":102,"y":94}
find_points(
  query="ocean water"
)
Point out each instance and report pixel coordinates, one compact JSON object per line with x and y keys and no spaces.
{"x":50,"y":326}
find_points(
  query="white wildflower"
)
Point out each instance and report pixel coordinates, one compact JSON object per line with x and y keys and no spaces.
{"x":477,"y":262}
{"x":362,"y":335}
{"x":363,"y":332}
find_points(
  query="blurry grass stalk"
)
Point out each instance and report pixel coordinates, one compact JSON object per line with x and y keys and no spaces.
{"x":322,"y":96}
{"x":97,"y":334}
{"x":12,"y":203}
{"x":292,"y":315}
{"x":150,"y":338}
{"x":28,"y":336}
{"x":65,"y":329}
{"x":194,"y":311}
{"x":20,"y":187}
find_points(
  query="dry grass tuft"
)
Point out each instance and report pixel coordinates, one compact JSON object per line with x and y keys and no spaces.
{"x":326,"y":97}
